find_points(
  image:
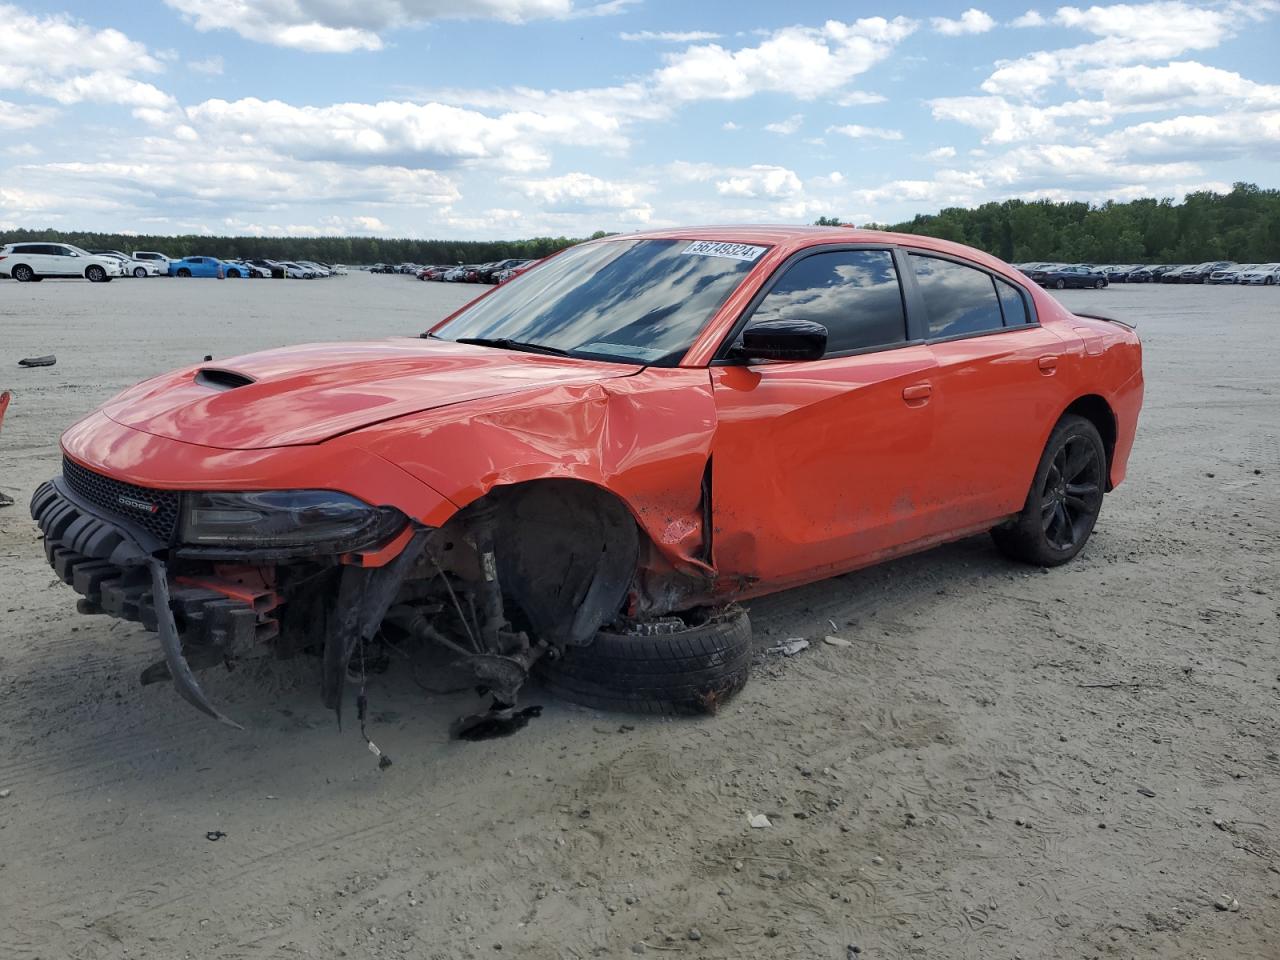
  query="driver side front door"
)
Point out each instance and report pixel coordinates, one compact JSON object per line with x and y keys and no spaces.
{"x":816,"y":465}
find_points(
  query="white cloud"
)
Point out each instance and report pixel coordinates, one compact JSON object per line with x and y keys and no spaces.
{"x":670,"y":36}
{"x":940,"y":154}
{"x":805,"y":62}
{"x":14,"y":116}
{"x":1220,"y":136}
{"x":1176,"y":83}
{"x":209,"y":66}
{"x":421,"y":135}
{"x":1003,"y":122}
{"x":62,"y":59}
{"x":859,"y":98}
{"x":788,"y":126}
{"x":971,"y":21}
{"x":729,"y":125}
{"x":1129,"y":33}
{"x":153,"y":176}
{"x":326,"y":26}
{"x":760,"y":180}
{"x":859,"y":132}
{"x":594,"y":117}
{"x":22,"y":150}
{"x":582,"y":192}
{"x":1032,"y":18}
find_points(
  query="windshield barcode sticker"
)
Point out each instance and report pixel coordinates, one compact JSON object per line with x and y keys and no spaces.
{"x":732,"y":251}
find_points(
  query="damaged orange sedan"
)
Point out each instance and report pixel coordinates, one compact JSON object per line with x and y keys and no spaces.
{"x":581,"y":472}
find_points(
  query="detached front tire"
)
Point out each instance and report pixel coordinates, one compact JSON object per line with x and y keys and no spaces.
{"x":661,"y":668}
{"x":1065,"y":498}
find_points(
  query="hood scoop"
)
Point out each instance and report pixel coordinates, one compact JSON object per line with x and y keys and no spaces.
{"x":216,"y":379}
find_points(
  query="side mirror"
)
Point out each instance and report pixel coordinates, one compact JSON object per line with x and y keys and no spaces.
{"x":783,"y":340}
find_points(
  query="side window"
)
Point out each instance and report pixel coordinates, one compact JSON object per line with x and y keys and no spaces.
{"x":853,"y":293}
{"x":1011,"y":301}
{"x":957,"y":299}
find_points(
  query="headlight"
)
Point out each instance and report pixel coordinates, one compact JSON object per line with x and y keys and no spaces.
{"x":275,"y":519}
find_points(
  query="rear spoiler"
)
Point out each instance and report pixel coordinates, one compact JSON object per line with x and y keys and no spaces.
{"x":1103,"y":316}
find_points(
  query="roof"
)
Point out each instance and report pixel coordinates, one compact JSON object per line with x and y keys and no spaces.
{"x":792,"y":238}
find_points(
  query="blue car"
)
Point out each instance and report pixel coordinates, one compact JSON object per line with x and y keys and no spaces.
{"x":197,"y":267}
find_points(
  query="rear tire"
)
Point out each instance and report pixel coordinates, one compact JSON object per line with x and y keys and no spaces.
{"x":23,"y":274}
{"x":689,"y":671}
{"x":1065,"y":497}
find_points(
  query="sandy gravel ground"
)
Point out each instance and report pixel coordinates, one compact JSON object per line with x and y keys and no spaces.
{"x":1005,"y":763}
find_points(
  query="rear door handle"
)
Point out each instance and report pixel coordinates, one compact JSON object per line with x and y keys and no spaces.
{"x":917,"y":393}
{"x":1047,"y":364}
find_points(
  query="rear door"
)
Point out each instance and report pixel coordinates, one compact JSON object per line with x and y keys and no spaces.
{"x":996,"y":390}
{"x":816,"y":464}
{"x":62,"y":262}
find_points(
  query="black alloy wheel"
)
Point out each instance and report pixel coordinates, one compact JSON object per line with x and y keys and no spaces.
{"x":1059,"y":284}
{"x":1072,"y":494}
{"x":1065,"y":499}
{"x":184,"y":272}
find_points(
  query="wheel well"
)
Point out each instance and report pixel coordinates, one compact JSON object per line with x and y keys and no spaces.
{"x":1098,"y":412}
{"x":567,"y":553}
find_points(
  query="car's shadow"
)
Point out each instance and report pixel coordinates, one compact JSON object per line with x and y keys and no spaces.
{"x":79,"y":697}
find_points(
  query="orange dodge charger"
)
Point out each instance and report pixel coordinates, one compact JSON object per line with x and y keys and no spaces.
{"x":579,"y":473}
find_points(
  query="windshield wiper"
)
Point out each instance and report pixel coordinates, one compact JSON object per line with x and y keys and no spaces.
{"x":506,"y":343}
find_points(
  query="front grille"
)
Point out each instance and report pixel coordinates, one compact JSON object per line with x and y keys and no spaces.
{"x":156,"y":511}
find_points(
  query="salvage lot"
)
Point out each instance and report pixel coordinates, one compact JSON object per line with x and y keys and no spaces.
{"x":976,"y":694}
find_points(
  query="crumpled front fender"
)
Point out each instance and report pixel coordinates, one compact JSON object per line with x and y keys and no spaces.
{"x":645,"y":439}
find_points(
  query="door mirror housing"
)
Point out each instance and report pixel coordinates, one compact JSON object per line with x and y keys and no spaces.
{"x":782,"y":340}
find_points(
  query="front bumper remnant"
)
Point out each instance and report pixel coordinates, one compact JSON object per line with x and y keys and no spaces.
{"x":118,"y":572}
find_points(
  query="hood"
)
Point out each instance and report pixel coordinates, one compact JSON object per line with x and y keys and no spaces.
{"x":302,"y":395}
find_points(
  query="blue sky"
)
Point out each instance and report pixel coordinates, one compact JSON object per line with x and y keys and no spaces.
{"x":523,"y":117}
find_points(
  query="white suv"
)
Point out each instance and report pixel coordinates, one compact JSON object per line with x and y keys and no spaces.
{"x":159,"y":259}
{"x":35,"y":261}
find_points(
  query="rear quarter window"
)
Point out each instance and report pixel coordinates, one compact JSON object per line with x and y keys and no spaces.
{"x":1013,"y":302}
{"x":958,"y":299}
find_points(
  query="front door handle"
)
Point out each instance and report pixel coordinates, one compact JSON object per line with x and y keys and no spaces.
{"x":1047,"y":364}
{"x":917,"y":394}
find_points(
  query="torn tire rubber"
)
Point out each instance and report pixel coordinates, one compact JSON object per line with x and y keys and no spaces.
{"x":690,"y":671}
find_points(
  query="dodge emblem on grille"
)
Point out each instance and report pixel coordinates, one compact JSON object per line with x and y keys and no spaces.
{"x":133,"y":503}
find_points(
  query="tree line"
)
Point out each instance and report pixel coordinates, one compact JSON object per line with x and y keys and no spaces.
{"x":1242,"y":225}
{"x":347,"y":250}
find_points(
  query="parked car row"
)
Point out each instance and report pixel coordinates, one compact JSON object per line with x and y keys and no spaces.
{"x":496,"y":272}
{"x":1062,"y":275}
{"x":33,"y":262}
{"x":246,"y":269}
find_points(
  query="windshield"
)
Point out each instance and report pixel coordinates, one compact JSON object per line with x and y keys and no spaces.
{"x":633,"y":301}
